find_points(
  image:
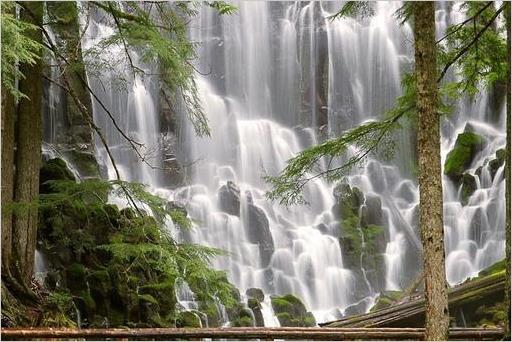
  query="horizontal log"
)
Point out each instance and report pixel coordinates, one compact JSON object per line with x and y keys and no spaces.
{"x":329,"y":334}
{"x":400,"y":314}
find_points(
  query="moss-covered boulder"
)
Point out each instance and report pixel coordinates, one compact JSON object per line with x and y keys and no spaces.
{"x":291,"y":312}
{"x":188,"y":319}
{"x":85,"y":162}
{"x":244,"y":318}
{"x":385,"y":299}
{"x":462,"y":154}
{"x":468,"y":187}
{"x":347,"y":200}
{"x":255,"y":293}
{"x":497,"y":162}
{"x":53,"y":169}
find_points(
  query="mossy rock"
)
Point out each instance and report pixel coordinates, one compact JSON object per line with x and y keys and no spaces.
{"x":386,"y":298}
{"x":244,"y":319}
{"x":499,"y":161}
{"x":348,"y":200}
{"x":188,"y":319}
{"x":468,"y":187}
{"x":75,"y":277}
{"x":290,"y":311}
{"x":494,"y":268}
{"x":255,"y":293}
{"x":462,"y":154}
{"x":53,"y":169}
{"x":85,"y":162}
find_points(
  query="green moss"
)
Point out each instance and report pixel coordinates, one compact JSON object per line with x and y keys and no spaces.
{"x":290,"y":311}
{"x":188,"y":319}
{"x":385,"y":299}
{"x":497,"y":267}
{"x":460,"y":157}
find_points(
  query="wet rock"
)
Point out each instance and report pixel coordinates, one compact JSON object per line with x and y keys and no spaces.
{"x":255,"y":293}
{"x":229,"y":198}
{"x":84,"y":162}
{"x":373,"y":207}
{"x":468,"y":187}
{"x":355,"y":309}
{"x":322,"y":228}
{"x":497,"y":162}
{"x":255,"y":306}
{"x":53,"y":169}
{"x":188,"y":319}
{"x":291,"y":312}
{"x":407,"y":193}
{"x":348,"y":200}
{"x":386,"y":298}
{"x":479,"y":226}
{"x":467,"y":145}
{"x":244,"y":319}
{"x":259,"y":232}
{"x":173,"y":205}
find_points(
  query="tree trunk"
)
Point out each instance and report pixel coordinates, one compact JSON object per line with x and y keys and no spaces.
{"x":508,"y":203}
{"x":8,"y":113}
{"x":28,"y":154}
{"x":430,"y":184}
{"x":64,"y":18}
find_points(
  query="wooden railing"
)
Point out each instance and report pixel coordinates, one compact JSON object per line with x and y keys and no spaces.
{"x":325,"y":334}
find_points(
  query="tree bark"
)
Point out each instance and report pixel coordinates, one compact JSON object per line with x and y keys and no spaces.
{"x":65,"y":25}
{"x":430,"y":184}
{"x":28,"y":153}
{"x":8,"y":113}
{"x":508,"y":203}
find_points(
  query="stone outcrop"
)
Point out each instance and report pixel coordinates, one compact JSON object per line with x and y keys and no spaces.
{"x":291,"y":312}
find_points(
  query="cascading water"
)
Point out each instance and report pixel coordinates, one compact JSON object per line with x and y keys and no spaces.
{"x":283,"y":77}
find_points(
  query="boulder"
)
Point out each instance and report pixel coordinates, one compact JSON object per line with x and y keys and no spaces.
{"x":373,"y":210}
{"x":497,"y":162}
{"x":188,"y":319}
{"x":259,"y":232}
{"x":348,"y":200}
{"x":385,"y":299}
{"x":229,"y":198}
{"x":85,"y":163}
{"x":467,"y":145}
{"x":291,"y":312}
{"x":255,"y":306}
{"x":468,"y":187}
{"x":255,"y":293}
{"x":53,"y":169}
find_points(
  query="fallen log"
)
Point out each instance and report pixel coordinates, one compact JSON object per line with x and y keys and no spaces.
{"x":326,"y":334}
{"x":464,"y":298}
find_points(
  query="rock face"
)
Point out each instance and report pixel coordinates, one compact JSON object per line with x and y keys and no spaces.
{"x":361,"y":235}
{"x":53,"y":169}
{"x":254,"y":298}
{"x":259,"y":232}
{"x":89,"y":244}
{"x":229,"y":198}
{"x":291,"y":312}
{"x":467,"y":145}
{"x":468,"y":187}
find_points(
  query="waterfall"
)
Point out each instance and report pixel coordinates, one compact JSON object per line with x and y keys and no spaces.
{"x":283,"y":77}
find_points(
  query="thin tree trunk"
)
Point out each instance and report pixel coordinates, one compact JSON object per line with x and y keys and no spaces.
{"x":28,"y":154}
{"x":431,"y":190}
{"x":508,"y":203}
{"x":8,"y":112}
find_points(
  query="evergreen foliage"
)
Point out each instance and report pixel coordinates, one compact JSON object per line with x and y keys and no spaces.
{"x":127,"y":254}
{"x":17,"y":47}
